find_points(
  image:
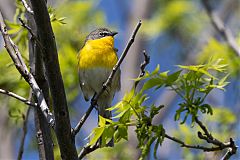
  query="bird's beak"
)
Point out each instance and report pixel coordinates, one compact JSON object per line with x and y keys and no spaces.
{"x":114,"y":33}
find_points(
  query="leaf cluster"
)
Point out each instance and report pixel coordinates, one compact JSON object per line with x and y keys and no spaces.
{"x":192,"y":83}
{"x":131,"y":111}
{"x":220,"y":50}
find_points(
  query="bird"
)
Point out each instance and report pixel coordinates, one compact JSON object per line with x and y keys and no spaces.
{"x":96,"y":60}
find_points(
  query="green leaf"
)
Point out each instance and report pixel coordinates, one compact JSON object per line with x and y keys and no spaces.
{"x":116,"y":106}
{"x":159,"y":136}
{"x":208,"y":108}
{"x":156,"y":147}
{"x":222,"y":82}
{"x":179,"y":111}
{"x":164,"y":74}
{"x":107,"y":135}
{"x":127,"y":97}
{"x":123,"y":132}
{"x":156,"y":70}
{"x":173,"y":77}
{"x":125,"y":117}
{"x":142,"y":99}
{"x":97,"y":134}
{"x":102,"y":121}
{"x":152,"y":83}
{"x":197,"y":68}
{"x":155,"y":110}
{"x":120,"y":114}
{"x":185,"y":118}
{"x":13,"y":27}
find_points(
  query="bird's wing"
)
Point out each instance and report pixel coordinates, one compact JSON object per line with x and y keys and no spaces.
{"x":83,"y":85}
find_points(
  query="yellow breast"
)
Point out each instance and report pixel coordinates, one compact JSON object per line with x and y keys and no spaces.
{"x":98,"y":53}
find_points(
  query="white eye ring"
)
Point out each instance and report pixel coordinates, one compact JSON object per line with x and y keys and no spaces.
{"x":103,"y":34}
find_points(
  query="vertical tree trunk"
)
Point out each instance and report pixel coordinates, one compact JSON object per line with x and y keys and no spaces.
{"x":43,"y":132}
{"x":54,"y":77}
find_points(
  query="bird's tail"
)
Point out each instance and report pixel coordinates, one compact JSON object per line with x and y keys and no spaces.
{"x":103,"y":104}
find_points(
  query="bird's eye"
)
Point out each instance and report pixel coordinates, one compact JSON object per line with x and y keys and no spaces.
{"x":103,"y":34}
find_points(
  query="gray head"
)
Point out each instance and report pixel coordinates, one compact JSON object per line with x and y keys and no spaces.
{"x":100,"y":33}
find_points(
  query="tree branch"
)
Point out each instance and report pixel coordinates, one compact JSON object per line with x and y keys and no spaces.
{"x":23,"y":70}
{"x":54,"y":77}
{"x":28,"y":8}
{"x":88,"y":149}
{"x":82,"y":121}
{"x":221,"y":28}
{"x":42,"y":129}
{"x":232,"y":148}
{"x":31,"y":33}
{"x":24,"y":100}
{"x":123,"y":55}
{"x":208,"y":137}
{"x":142,"y":67}
{"x":231,"y":151}
{"x":205,"y":149}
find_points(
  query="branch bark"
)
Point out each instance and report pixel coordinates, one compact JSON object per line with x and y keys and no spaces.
{"x":28,"y":8}
{"x":205,"y":149}
{"x":24,"y":100}
{"x":43,"y":132}
{"x":142,"y":67}
{"x":50,"y":59}
{"x":231,"y":146}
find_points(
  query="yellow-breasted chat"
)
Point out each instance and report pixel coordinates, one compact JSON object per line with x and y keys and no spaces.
{"x":96,"y":60}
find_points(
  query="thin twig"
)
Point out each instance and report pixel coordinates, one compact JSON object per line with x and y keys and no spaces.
{"x":28,"y":8}
{"x":208,"y":136}
{"x":31,"y":32}
{"x":218,"y":24}
{"x":204,"y":128}
{"x":142,"y":67}
{"x":24,"y":100}
{"x":231,"y":151}
{"x":115,"y":68}
{"x":82,"y":121}
{"x":232,"y":148}
{"x":27,"y":27}
{"x":23,"y":70}
{"x":109,"y":80}
{"x":25,"y":118}
{"x":205,"y":149}
{"x":88,"y":149}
